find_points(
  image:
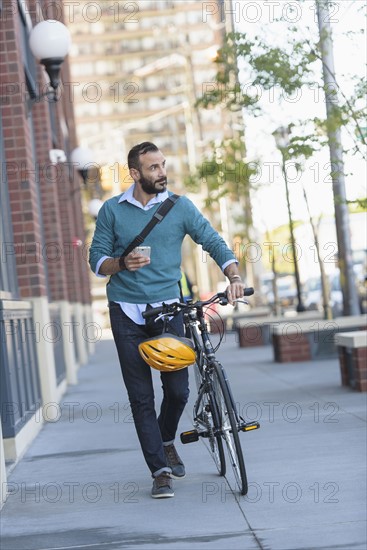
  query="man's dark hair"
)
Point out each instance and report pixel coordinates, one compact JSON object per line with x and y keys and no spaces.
{"x":140,"y":149}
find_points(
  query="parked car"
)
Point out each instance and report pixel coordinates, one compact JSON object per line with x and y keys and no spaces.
{"x":313,"y":294}
{"x":287,"y":291}
{"x":362,"y":294}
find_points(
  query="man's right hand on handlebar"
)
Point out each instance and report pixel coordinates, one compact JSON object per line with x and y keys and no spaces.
{"x":236,"y":288}
{"x":235,"y":291}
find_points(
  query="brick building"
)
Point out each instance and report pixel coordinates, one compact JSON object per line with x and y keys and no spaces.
{"x":45,"y":315}
{"x":137,"y":70}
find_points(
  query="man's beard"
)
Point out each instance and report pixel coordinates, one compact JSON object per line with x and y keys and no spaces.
{"x":149,"y":187}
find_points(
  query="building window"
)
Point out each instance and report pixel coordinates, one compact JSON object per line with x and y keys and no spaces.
{"x":29,"y":63}
{"x":8,"y":273}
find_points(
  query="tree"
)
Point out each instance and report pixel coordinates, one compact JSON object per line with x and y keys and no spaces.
{"x":288,"y":69}
{"x":223,"y":173}
{"x":333,"y":124}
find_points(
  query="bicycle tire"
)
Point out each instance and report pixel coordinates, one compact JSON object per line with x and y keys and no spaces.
{"x":228,"y":420}
{"x":206,"y":409}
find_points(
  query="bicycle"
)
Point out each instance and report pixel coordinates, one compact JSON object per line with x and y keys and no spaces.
{"x":215,"y":416}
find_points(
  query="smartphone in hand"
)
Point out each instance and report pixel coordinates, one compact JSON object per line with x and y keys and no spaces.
{"x":144,"y":250}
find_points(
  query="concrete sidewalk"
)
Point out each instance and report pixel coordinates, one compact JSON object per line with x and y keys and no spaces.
{"x":84,"y":484}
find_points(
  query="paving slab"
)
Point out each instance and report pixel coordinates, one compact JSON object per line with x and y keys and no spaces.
{"x":84,"y":484}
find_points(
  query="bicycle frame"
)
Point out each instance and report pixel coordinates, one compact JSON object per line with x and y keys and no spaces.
{"x":195,"y":321}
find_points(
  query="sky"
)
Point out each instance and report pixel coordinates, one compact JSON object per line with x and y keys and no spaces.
{"x":269,"y":202}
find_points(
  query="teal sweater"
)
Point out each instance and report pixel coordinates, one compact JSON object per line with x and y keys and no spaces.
{"x":118,"y":224}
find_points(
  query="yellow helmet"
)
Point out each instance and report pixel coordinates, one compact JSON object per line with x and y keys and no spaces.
{"x":168,"y":352}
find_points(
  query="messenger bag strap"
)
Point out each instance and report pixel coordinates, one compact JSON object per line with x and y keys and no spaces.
{"x":158,"y":216}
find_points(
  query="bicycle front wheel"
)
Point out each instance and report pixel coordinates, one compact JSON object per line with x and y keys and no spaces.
{"x":206,"y":414}
{"x":229,"y":427}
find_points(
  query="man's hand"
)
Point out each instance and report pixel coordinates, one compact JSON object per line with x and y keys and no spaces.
{"x":236,"y":287}
{"x":131,"y":262}
{"x":135,"y":261}
{"x":235,"y":291}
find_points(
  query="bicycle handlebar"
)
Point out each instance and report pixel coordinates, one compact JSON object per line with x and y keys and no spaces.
{"x":154,"y":311}
{"x":248,"y":291}
{"x":178,"y":306}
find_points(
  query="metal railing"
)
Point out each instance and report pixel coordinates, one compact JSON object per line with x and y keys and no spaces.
{"x":56,"y":337}
{"x":20,"y":394}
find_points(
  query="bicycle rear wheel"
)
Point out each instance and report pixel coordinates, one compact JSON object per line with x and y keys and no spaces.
{"x":229,"y":428}
{"x":206,"y":414}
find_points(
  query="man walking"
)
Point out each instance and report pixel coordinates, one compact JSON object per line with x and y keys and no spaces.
{"x":137,"y":282}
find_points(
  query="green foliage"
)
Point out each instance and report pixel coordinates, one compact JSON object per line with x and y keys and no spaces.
{"x":357,"y":206}
{"x":223,"y":172}
{"x":270,"y":67}
{"x":301,"y":146}
{"x":287,"y":69}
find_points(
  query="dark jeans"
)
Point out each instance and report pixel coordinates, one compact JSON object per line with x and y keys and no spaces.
{"x":137,"y":375}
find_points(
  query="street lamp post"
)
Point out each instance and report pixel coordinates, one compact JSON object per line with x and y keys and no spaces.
{"x":82,"y":158}
{"x":50,"y":42}
{"x":281,"y":136}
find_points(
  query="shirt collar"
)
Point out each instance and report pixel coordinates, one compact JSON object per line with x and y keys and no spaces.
{"x":129,"y":197}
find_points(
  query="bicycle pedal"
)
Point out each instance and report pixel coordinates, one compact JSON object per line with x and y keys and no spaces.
{"x":249,"y":426}
{"x":190,"y":436}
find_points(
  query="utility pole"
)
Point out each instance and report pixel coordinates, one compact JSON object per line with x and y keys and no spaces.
{"x":345,"y":260}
